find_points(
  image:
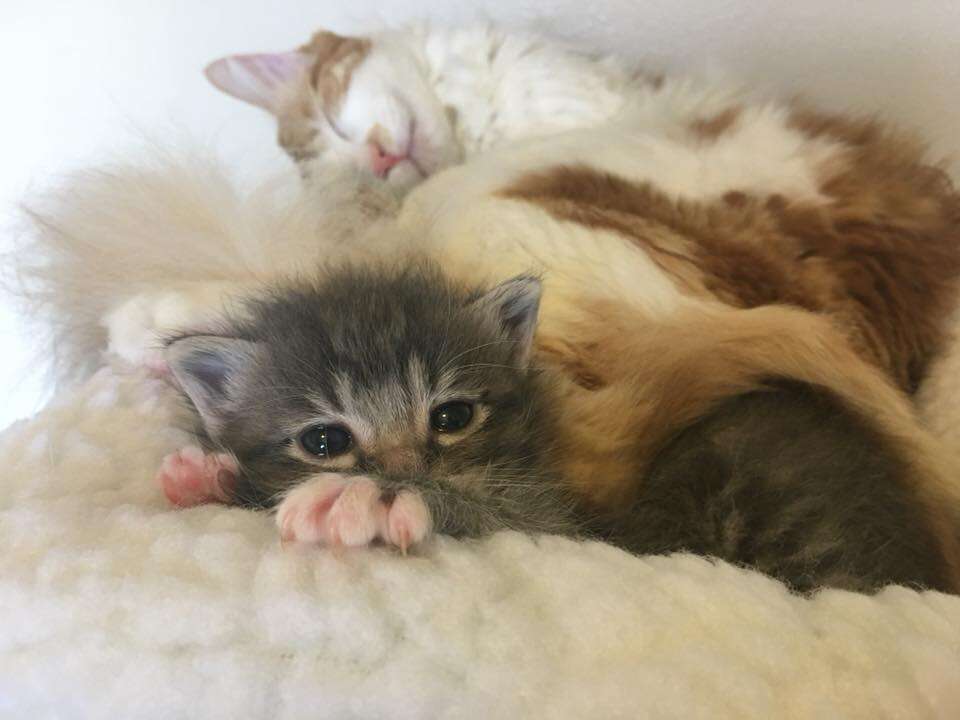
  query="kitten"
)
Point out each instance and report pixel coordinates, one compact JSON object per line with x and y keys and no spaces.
{"x":374,"y":404}
{"x":403,"y":105}
{"x":386,"y":405}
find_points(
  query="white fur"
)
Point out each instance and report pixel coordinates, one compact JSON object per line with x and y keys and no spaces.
{"x":115,"y":605}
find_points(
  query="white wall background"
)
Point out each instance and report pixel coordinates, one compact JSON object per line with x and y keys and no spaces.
{"x":85,"y":77}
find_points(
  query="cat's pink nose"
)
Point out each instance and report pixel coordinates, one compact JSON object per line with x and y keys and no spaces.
{"x":381,"y":161}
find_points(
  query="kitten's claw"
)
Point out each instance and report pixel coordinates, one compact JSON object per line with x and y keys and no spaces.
{"x":191,"y":477}
{"x":408,"y":521}
{"x":349,"y":511}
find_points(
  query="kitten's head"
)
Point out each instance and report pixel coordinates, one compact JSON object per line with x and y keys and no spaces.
{"x":348,"y":101}
{"x":399,"y":375}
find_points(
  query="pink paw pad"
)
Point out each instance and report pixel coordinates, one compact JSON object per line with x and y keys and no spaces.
{"x":191,"y":477}
{"x":302,"y":515}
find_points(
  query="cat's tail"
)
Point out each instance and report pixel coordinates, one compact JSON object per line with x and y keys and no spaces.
{"x":163,"y":227}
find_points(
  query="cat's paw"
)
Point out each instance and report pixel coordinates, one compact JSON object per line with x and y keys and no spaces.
{"x":192,"y":477}
{"x":351,"y":511}
{"x":302,"y":514}
{"x":137,"y":327}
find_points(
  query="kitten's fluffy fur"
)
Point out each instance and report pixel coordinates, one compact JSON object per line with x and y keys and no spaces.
{"x":694,"y":249}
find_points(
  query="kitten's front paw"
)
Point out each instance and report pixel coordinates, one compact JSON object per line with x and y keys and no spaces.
{"x":351,"y":510}
{"x":191,"y":477}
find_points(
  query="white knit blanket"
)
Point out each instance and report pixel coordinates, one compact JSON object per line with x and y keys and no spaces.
{"x":115,"y":605}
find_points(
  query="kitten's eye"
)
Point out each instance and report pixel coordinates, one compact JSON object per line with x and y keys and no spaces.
{"x":326,"y":440}
{"x":451,"y":416}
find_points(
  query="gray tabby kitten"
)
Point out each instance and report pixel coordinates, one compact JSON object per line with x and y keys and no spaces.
{"x":374,"y":404}
{"x":389,"y":404}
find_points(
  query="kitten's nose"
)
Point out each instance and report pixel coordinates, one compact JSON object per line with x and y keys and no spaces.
{"x":398,"y":460}
{"x":381,"y":162}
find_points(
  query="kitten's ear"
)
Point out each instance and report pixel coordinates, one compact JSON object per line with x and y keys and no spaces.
{"x":208,"y":369}
{"x":257,"y":79}
{"x":514,"y":305}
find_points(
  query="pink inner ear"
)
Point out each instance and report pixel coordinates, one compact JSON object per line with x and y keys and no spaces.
{"x":257,"y":78}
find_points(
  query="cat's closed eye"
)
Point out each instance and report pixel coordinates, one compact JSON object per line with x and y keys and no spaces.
{"x":326,"y":441}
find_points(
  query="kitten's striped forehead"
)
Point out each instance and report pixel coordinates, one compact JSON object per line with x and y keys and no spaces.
{"x":399,"y":403}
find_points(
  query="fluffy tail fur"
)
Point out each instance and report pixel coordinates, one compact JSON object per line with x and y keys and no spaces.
{"x":111,"y":234}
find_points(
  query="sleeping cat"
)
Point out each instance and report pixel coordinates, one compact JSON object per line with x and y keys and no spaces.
{"x":386,"y":405}
{"x":404,"y":105}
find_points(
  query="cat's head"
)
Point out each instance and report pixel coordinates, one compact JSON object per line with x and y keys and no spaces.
{"x":399,"y":375}
{"x":348,"y":101}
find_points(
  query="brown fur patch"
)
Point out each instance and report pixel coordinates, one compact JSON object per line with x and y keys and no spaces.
{"x":335,"y":59}
{"x":712,"y":127}
{"x":890,"y":234}
{"x":883,"y":264}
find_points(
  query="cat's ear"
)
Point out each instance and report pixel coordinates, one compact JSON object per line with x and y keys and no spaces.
{"x":257,"y":79}
{"x":514,"y":305}
{"x":209,"y":370}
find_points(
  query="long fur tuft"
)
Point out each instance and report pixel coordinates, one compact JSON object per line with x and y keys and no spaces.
{"x":106,"y":235}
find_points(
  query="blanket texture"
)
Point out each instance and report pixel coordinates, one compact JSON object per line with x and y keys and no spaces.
{"x":115,"y":605}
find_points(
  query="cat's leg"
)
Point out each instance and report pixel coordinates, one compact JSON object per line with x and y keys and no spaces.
{"x":792,"y":483}
{"x":353,"y":511}
{"x":192,"y":477}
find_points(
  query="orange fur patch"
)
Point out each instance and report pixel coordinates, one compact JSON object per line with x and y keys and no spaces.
{"x":885,"y":272}
{"x":659,"y":377}
{"x":335,"y":59}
